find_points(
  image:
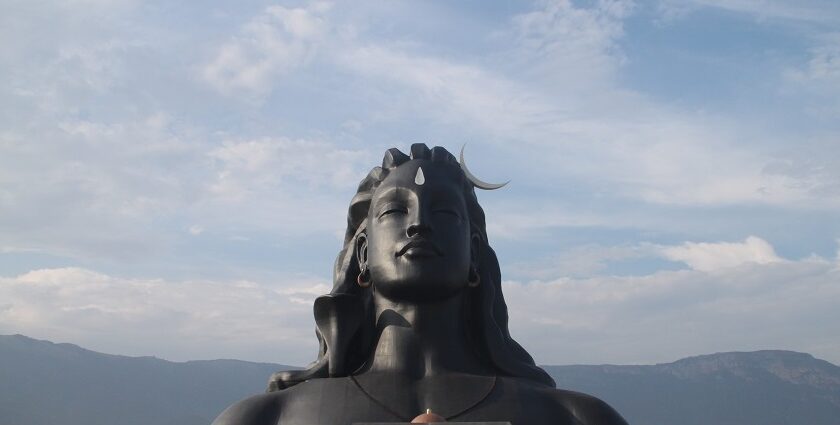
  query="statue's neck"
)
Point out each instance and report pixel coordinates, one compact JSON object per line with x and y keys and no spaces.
{"x":422,"y":339}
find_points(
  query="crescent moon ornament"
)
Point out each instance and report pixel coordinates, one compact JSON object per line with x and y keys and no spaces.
{"x":473,"y":179}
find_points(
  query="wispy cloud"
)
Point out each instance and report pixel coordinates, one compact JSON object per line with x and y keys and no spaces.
{"x":807,"y":11}
{"x":819,"y":75}
{"x":568,"y":45}
{"x":567,"y":103}
{"x":666,"y":315}
{"x":275,"y":42}
{"x":709,"y":257}
{"x":755,"y":301}
{"x":225,"y":141}
{"x":221,"y":319}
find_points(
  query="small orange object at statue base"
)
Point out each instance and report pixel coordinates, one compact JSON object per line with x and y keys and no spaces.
{"x":428,"y":418}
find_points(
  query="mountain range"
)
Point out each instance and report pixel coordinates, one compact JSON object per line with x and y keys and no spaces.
{"x":770,"y":387}
{"x":42,"y":383}
{"x":45,"y":383}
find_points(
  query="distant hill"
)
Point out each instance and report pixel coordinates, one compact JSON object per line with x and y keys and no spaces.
{"x":43,"y":383}
{"x":753,"y":388}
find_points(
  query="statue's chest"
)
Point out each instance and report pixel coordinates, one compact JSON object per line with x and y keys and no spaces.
{"x":343,"y":401}
{"x":331,"y":402}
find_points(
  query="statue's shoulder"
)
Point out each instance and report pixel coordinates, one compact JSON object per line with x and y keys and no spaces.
{"x":589,"y":410}
{"x":564,"y":405}
{"x":261,"y":409}
{"x":270,"y":408}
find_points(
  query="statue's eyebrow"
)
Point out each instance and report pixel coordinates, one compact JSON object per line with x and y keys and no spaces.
{"x":449,"y":196}
{"x":391,"y":194}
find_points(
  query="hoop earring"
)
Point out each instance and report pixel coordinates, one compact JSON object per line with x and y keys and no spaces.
{"x":474,"y":279}
{"x":363,"y":280}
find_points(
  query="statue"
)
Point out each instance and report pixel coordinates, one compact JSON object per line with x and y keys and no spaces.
{"x":416,"y":322}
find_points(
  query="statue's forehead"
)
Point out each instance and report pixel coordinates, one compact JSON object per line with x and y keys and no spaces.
{"x":422,"y":177}
{"x":431,"y":169}
{"x":422,"y":172}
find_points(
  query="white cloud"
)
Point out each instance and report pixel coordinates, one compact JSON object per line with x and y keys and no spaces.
{"x":177,"y":320}
{"x":110,"y":149}
{"x":256,"y":167}
{"x":556,"y":89}
{"x":737,"y":296}
{"x":77,"y":187}
{"x":578,"y":261}
{"x":95,"y":190}
{"x":591,"y":259}
{"x":566,"y":102}
{"x":454,"y":92}
{"x":824,"y":63}
{"x":812,"y":167}
{"x":275,"y":42}
{"x":837,"y":255}
{"x":557,"y":55}
{"x":709,"y":257}
{"x":523,"y":222}
{"x":656,"y":317}
{"x":668,"y":315}
{"x":571,"y":45}
{"x":819,"y":76}
{"x":821,"y":11}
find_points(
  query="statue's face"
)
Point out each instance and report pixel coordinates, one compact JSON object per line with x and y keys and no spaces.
{"x":418,"y":235}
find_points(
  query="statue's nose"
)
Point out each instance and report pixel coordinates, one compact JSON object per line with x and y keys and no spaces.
{"x":418,"y":229}
{"x":419,"y":226}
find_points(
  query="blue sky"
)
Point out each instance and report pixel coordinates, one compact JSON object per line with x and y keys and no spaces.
{"x":174,"y":177}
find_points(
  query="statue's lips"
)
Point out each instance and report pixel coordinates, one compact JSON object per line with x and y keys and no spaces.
{"x":419,"y":248}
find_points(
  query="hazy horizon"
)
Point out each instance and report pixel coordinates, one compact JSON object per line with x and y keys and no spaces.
{"x":281,"y":363}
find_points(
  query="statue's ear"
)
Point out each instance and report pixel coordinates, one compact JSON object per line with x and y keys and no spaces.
{"x":361,"y":250}
{"x":475,"y":249}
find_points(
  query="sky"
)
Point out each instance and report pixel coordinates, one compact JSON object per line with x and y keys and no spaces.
{"x":175,"y":176}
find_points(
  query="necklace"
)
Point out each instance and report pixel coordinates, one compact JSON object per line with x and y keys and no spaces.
{"x":408,"y":419}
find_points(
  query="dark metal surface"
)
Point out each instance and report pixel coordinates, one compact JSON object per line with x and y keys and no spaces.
{"x":416,"y":319}
{"x":408,"y":423}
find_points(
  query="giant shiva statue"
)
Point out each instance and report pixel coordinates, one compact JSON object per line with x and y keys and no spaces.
{"x":416,"y":320}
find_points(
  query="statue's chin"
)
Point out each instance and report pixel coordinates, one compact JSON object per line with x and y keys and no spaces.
{"x":422,"y":291}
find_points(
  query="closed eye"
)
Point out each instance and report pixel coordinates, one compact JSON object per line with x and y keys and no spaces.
{"x":447,"y":212}
{"x":392,"y":209}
